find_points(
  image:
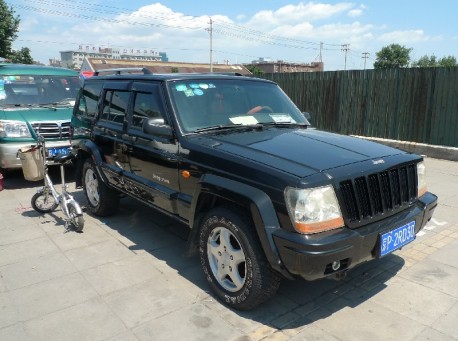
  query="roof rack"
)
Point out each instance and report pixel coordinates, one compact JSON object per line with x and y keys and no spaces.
{"x":121,"y":71}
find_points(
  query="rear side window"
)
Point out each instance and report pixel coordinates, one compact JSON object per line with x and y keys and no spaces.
{"x":115,"y":106}
{"x":88,"y":100}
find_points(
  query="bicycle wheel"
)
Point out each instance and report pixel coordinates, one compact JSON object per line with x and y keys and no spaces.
{"x":44,"y":202}
{"x":76,"y":219}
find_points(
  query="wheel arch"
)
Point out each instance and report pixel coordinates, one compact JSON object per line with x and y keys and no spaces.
{"x":213,"y":191}
{"x":88,"y":149}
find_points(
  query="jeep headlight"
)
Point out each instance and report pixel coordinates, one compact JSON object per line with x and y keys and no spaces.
{"x":313,"y":210}
{"x":17,"y":129}
{"x":421,"y":175}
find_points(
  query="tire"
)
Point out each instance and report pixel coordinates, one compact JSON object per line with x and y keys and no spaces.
{"x":76,"y":219}
{"x":233,"y":260}
{"x":43,"y":201}
{"x":102,"y":200}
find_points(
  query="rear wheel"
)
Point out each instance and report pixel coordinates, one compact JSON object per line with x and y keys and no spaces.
{"x":102,"y":200}
{"x":43,"y":201}
{"x":76,"y":219}
{"x":234,"y":261}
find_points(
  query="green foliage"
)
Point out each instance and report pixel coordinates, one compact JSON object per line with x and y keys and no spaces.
{"x":22,"y":56}
{"x":432,"y":61}
{"x":392,"y":56}
{"x":448,"y":61}
{"x":255,"y":70}
{"x":9,"y":26}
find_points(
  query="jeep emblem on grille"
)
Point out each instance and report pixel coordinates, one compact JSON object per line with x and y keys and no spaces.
{"x":378,"y":162}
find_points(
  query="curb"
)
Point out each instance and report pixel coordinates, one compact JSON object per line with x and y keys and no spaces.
{"x":433,"y":151}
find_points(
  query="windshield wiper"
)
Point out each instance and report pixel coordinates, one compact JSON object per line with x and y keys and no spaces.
{"x":219,"y":127}
{"x":282,"y":124}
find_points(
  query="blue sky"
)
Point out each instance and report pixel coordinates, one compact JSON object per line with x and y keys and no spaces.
{"x":242,"y":30}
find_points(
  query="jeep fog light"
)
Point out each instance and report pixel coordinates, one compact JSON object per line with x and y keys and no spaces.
{"x":421,"y":175}
{"x":313,"y":210}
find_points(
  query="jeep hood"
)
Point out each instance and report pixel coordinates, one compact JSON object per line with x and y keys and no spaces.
{"x":300,"y":152}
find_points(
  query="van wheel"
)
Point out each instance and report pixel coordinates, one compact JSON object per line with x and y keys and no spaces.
{"x":102,"y":200}
{"x":233,"y":260}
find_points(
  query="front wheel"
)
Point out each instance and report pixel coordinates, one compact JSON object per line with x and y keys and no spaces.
{"x":102,"y":200}
{"x":43,"y":201}
{"x":76,"y":219}
{"x":234,"y":261}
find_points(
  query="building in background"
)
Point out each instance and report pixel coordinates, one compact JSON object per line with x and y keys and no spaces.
{"x":91,"y":65}
{"x":74,"y":58}
{"x":280,"y":66}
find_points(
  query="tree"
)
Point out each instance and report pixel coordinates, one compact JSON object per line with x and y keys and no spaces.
{"x":392,"y":56}
{"x":448,"y":61}
{"x":432,"y":61}
{"x":9,"y":26}
{"x":255,"y":70}
{"x":426,"y":61}
{"x":22,"y":56}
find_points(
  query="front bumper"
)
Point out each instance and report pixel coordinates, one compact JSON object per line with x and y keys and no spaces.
{"x":9,"y":158}
{"x":311,"y":256}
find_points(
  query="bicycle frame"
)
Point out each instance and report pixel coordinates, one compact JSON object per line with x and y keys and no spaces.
{"x":63,"y":199}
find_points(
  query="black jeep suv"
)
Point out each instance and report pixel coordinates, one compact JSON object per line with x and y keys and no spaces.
{"x":264,"y":196}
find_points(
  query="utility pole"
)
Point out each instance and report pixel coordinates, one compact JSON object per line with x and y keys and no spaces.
{"x":210,"y":30}
{"x":321,"y":55}
{"x":365,"y":56}
{"x":345,"y":49}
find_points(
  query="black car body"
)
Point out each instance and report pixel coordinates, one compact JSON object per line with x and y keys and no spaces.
{"x":265,"y":196}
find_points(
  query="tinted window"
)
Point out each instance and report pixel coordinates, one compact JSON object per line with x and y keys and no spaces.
{"x":115,"y":106}
{"x":89,"y":99}
{"x":146,"y":105}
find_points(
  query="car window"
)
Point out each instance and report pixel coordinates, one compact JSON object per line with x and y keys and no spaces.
{"x":30,"y":90}
{"x":115,"y":106}
{"x":146,"y":105}
{"x":206,"y":103}
{"x":88,"y":100}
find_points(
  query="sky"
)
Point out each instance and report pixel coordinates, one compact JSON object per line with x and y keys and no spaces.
{"x":342,"y":33}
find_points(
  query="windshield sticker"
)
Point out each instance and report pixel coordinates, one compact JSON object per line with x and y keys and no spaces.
{"x":203,"y":86}
{"x":194,"y":86}
{"x":282,"y":118}
{"x":198,"y":92}
{"x":181,"y":87}
{"x":244,"y":120}
{"x":189,"y":92}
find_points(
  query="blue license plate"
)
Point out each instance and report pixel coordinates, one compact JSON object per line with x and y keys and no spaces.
{"x":58,"y":150}
{"x":397,"y":238}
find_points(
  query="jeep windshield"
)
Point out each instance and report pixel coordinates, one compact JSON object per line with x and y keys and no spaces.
{"x":203,"y":105}
{"x":40,"y":90}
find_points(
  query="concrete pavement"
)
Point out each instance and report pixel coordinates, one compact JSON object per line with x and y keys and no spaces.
{"x":124,"y":278}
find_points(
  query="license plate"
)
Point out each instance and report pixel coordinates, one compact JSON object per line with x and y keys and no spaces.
{"x":57,"y":150}
{"x":397,"y":238}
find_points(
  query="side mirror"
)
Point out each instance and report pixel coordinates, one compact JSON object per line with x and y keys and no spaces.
{"x":157,"y":126}
{"x":307,"y":116}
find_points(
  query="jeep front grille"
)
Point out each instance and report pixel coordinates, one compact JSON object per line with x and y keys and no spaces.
{"x":368,"y":196}
{"x":52,"y":130}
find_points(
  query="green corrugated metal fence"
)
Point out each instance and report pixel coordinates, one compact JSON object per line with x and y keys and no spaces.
{"x":418,"y":104}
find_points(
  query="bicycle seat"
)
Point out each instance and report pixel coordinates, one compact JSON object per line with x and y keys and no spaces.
{"x":64,"y":158}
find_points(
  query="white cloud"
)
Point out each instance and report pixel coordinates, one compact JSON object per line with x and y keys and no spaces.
{"x":408,"y":36}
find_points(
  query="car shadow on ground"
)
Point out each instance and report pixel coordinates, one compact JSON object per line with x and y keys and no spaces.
{"x":296,"y":304}
{"x":165,"y":239}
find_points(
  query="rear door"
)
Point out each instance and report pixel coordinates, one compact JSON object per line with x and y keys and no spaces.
{"x":153,"y":159}
{"x":111,"y":127}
